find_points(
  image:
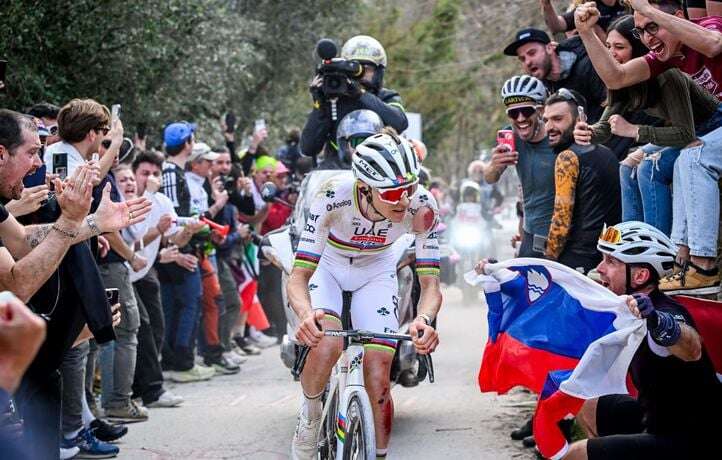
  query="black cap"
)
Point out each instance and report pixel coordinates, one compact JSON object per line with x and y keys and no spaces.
{"x":525,"y":36}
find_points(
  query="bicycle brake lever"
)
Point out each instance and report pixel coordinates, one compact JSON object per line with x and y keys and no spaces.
{"x":428,"y":362}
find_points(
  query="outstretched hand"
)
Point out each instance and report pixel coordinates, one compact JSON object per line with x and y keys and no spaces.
{"x":112,"y":216}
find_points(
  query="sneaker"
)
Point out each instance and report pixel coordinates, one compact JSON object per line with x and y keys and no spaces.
{"x":194,"y":374}
{"x":261,"y":339}
{"x":89,"y":446}
{"x":67,"y":454}
{"x":107,"y":431}
{"x":246,"y":347}
{"x":528,"y":442}
{"x":305,"y":439}
{"x":166,"y":399}
{"x":223,"y":365}
{"x":691,"y":280}
{"x":131,"y":413}
{"x":235,"y":357}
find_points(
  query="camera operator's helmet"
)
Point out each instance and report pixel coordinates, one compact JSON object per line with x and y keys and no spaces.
{"x":523,"y":88}
{"x":364,"y":49}
{"x":639,"y":243}
{"x":386,"y":161}
{"x":354,"y":128}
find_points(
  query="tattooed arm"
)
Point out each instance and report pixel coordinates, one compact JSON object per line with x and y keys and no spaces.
{"x":566,"y":173}
{"x":26,"y":275}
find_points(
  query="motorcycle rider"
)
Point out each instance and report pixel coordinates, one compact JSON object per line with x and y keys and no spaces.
{"x":345,"y":247}
{"x":366,"y":93}
{"x":676,"y":413}
{"x":354,"y":129}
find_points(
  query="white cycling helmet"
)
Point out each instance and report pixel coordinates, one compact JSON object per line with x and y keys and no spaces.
{"x":635,"y":242}
{"x":386,"y":161}
{"x":523,"y":88}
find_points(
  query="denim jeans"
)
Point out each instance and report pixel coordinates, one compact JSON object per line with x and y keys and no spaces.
{"x":181,"y":306}
{"x":72,"y":372}
{"x":696,"y":197}
{"x":117,"y":359}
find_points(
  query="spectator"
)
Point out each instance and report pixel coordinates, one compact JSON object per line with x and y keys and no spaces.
{"x":609,"y":10}
{"x":686,"y":109}
{"x":48,"y":115}
{"x":213,"y":306}
{"x":533,"y":159}
{"x":256,"y":149}
{"x":563,"y":65}
{"x":180,"y":281}
{"x":586,"y":180}
{"x":289,"y":153}
{"x":694,"y":47}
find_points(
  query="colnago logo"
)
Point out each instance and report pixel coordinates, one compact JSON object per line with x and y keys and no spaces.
{"x":337,"y":205}
{"x":537,"y":284}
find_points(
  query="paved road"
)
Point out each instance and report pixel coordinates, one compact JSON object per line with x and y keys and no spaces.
{"x":252,"y":415}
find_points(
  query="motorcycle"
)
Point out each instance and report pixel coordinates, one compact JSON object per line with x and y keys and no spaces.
{"x":279,"y":248}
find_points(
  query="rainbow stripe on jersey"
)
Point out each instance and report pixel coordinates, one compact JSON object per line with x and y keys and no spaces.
{"x":306,"y":260}
{"x":366,"y":247}
{"x":428,"y":267}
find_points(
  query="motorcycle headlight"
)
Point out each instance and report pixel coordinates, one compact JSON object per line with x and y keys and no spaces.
{"x":467,"y":237}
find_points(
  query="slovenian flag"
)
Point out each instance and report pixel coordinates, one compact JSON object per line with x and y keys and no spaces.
{"x":559,"y":334}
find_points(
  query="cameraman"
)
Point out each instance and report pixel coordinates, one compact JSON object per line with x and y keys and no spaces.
{"x":365,"y":92}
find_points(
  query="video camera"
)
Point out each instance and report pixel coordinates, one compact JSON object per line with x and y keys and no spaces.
{"x":334,"y":70}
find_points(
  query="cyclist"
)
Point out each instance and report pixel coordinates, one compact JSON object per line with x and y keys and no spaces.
{"x":676,"y":412}
{"x":345,"y":247}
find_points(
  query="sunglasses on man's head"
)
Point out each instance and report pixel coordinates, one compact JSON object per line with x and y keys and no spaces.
{"x":515,"y":112}
{"x":393,"y":196}
{"x":568,"y":96}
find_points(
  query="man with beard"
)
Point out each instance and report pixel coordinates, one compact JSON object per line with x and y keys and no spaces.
{"x":563,"y":65}
{"x":587,"y":194}
{"x":524,"y":97}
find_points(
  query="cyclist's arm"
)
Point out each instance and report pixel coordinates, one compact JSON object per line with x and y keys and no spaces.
{"x":430,"y":300}
{"x":613,"y":74}
{"x":689,"y":346}
{"x":298,"y":295}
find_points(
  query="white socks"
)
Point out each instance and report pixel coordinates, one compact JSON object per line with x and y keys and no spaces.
{"x":312,"y":406}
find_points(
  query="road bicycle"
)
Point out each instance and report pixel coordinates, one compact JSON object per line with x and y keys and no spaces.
{"x":347,"y":424}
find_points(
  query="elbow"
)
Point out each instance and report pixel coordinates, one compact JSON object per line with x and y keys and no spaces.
{"x":715,"y":49}
{"x":694,"y":353}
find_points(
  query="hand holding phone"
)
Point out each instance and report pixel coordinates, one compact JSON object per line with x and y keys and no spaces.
{"x":114,"y":112}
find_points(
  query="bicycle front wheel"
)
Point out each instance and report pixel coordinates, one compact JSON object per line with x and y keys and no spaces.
{"x":359,"y":436}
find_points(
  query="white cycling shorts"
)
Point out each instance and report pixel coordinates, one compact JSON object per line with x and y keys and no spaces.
{"x":374,"y":286}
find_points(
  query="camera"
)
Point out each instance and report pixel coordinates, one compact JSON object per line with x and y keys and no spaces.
{"x":334,"y":70}
{"x":229,"y":183}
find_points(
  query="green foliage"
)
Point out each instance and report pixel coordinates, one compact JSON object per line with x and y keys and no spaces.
{"x":168,"y":59}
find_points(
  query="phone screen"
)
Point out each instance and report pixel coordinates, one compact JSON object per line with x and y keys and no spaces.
{"x":113,"y":296}
{"x":36,"y":178}
{"x":60,"y":165}
{"x":260,"y":124}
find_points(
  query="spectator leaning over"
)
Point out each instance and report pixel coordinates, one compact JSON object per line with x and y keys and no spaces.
{"x":180,"y":281}
{"x":563,"y":65}
{"x":586,"y":180}
{"x":694,"y":47}
{"x":524,"y":97}
{"x":685,"y":108}
{"x":198,"y":170}
{"x":676,"y":412}
{"x":48,"y":114}
{"x":365,"y":93}
{"x":609,"y":10}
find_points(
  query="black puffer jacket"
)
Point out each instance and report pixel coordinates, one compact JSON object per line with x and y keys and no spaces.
{"x":320,"y":130}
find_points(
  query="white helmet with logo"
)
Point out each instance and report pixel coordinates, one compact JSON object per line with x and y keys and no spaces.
{"x":636,"y":242}
{"x":386,"y":161}
{"x":523,"y":88}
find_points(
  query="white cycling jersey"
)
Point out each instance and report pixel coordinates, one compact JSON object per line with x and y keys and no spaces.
{"x":352,"y":253}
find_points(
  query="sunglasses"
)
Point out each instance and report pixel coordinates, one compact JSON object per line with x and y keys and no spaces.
{"x":356,"y":141}
{"x":651,"y":28}
{"x":568,"y":96}
{"x":104,"y":129}
{"x":611,"y":235}
{"x":393,"y":196}
{"x":515,"y":112}
{"x":53,"y":130}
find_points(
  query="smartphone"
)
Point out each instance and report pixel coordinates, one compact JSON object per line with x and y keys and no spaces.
{"x":36,"y":178}
{"x":60,"y":165}
{"x":3,"y":69}
{"x":506,"y":137}
{"x":113,"y":296}
{"x":115,"y":112}
{"x":260,"y":124}
{"x":231,"y":122}
{"x":582,"y":115}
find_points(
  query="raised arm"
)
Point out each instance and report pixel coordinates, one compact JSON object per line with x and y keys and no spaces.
{"x":555,"y":22}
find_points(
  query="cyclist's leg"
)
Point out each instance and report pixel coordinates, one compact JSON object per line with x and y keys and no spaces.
{"x":326,"y":294}
{"x":374,"y":307}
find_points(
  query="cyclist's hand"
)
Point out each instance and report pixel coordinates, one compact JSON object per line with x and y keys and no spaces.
{"x":309,"y":333}
{"x":428,"y":341}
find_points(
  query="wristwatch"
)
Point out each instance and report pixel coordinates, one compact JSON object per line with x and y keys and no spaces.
{"x":90,"y":220}
{"x":426,"y":318}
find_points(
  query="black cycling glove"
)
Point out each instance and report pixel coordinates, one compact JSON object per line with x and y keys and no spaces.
{"x":663,"y":327}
